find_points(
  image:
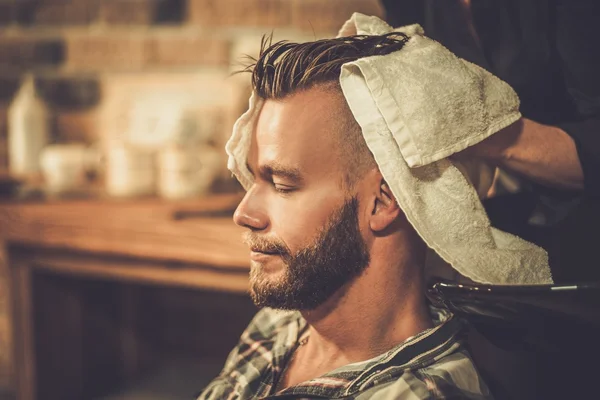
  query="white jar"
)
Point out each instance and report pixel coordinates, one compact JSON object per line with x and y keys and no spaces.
{"x":64,"y":167}
{"x":28,"y":130}
{"x":186,"y":172}
{"x":129,"y":172}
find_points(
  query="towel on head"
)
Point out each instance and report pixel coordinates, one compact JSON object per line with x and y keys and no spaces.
{"x":416,"y":107}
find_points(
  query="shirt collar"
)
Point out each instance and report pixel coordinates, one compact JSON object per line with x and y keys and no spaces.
{"x":417,"y":351}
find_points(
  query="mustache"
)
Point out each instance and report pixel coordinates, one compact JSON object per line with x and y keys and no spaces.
{"x":263,"y":245}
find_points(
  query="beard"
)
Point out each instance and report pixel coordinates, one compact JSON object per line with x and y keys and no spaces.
{"x":337,"y":256}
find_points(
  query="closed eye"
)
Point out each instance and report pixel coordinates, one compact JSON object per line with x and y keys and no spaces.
{"x":283,"y":188}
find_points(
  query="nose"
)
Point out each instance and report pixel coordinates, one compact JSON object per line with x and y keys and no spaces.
{"x":250,"y":213}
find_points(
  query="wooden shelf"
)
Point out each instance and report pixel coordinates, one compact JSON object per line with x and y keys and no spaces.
{"x":144,"y":228}
{"x":191,"y":244}
{"x":231,"y":279}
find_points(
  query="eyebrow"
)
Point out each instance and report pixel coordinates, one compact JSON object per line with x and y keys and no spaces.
{"x":276,"y":169}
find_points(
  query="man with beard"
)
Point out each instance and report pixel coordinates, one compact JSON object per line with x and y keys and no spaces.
{"x":336,"y":266}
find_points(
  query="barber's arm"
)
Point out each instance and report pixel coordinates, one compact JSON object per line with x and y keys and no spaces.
{"x":566,"y":155}
{"x":542,"y":153}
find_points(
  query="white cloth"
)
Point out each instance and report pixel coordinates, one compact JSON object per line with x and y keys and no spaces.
{"x":416,"y":107}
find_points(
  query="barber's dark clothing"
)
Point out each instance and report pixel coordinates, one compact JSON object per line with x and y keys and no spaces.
{"x":549,"y":52}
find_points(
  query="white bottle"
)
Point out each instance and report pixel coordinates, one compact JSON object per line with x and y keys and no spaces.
{"x":28,"y":126}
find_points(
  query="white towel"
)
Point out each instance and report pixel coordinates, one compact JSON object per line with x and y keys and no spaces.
{"x":416,"y":107}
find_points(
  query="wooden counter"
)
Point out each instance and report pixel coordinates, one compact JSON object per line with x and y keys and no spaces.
{"x":184,"y":244}
{"x":183,"y":231}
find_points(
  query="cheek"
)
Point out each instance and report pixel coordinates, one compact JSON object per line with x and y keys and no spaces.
{"x":297,"y":219}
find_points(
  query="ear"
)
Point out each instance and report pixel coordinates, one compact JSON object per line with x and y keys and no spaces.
{"x":385,"y":208}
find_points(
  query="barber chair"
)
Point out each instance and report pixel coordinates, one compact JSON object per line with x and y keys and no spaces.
{"x":530,"y":342}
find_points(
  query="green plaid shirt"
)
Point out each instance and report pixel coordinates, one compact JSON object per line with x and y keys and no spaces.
{"x":431,"y":365}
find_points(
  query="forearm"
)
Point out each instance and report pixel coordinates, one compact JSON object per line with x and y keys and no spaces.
{"x":542,"y":153}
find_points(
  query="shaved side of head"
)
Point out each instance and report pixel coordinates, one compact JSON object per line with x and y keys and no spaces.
{"x":352,"y":149}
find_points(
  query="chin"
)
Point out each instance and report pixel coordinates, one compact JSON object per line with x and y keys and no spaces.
{"x":268,"y":265}
{"x":269,"y":273}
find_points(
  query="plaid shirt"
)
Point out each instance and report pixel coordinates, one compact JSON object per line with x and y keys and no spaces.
{"x":431,"y":365}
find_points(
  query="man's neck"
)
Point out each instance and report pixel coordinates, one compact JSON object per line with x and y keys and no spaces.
{"x":380,"y":309}
{"x":377,"y":311}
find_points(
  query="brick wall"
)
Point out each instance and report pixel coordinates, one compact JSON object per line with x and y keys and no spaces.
{"x":77,"y":48}
{"x":93,"y":58}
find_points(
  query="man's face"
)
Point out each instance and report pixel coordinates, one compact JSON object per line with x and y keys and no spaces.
{"x":305,"y":235}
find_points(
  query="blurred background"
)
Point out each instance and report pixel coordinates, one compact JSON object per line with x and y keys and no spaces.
{"x":122,"y":275}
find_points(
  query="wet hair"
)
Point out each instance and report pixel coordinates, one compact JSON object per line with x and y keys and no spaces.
{"x":284,"y":68}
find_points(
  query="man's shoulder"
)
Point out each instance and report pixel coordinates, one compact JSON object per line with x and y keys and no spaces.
{"x":255,"y":350}
{"x":268,"y":322}
{"x":453,"y":376}
{"x":257,"y":342}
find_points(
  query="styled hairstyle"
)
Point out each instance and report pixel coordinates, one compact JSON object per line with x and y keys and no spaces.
{"x":284,"y":68}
